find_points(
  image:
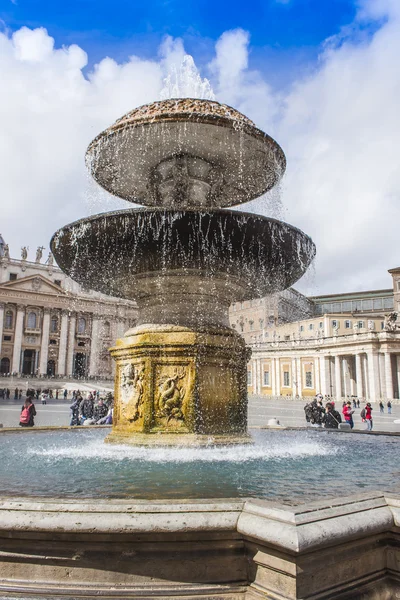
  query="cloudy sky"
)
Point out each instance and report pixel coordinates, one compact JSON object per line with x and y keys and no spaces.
{"x":322,"y":78}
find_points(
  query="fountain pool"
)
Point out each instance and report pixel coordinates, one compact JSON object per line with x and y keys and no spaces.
{"x":288,"y":466}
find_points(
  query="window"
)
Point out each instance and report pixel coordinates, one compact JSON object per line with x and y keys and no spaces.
{"x":9,"y":320}
{"x":311,"y":327}
{"x":301,"y":328}
{"x":286,"y":379}
{"x":7,"y":338}
{"x":241,"y":325}
{"x":81,"y":325}
{"x":321,"y":325}
{"x":360,"y":324}
{"x":335,"y":323}
{"x":13,"y":276}
{"x":398,"y":286}
{"x":378,"y":304}
{"x":367,"y":304}
{"x":249,"y":378}
{"x":382,"y":324}
{"x":309,"y":379}
{"x":251,"y":323}
{"x":287,"y":338}
{"x":32,"y":320}
{"x":53,"y":324}
{"x":53,"y":342}
{"x":347,"y":324}
{"x":58,"y":282}
{"x":106,"y":329}
{"x":81,"y":343}
{"x":261,"y":323}
{"x":266,"y":378}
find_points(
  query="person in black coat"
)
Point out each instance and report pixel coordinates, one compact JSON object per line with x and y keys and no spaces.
{"x":331,"y":418}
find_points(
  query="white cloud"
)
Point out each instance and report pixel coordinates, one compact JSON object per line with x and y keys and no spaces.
{"x":339,"y":128}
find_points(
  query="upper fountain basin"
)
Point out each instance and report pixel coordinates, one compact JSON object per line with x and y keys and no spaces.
{"x":132,"y":253}
{"x":185,"y":153}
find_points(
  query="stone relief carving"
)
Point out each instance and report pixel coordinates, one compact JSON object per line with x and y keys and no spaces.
{"x":36,"y":283}
{"x":390,"y":321}
{"x":171,"y":393}
{"x":132,"y":389}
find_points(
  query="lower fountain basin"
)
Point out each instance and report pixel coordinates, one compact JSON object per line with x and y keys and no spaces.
{"x":288,"y":466}
{"x":134,"y":253}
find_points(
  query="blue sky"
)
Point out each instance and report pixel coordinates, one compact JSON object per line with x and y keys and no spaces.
{"x":285,"y":35}
{"x":333,"y":107}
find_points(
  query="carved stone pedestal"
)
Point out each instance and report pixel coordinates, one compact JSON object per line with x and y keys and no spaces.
{"x":183,"y":386}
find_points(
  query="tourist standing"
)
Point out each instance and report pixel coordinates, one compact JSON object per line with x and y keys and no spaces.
{"x":389,"y":407}
{"x":381,"y":407}
{"x":368,"y":416}
{"x":358,"y":403}
{"x":87,"y":407}
{"x":331,"y":418}
{"x":75,"y":406}
{"x":28,"y":412}
{"x":348,"y":414}
{"x":65,"y":394}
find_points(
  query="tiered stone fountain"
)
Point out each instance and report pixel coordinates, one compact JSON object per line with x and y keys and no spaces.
{"x":181,"y":372}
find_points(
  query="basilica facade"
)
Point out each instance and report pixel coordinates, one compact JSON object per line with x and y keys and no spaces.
{"x":50,"y":325}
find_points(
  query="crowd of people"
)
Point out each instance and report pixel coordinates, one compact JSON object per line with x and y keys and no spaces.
{"x":329,"y":417}
{"x":91,"y":410}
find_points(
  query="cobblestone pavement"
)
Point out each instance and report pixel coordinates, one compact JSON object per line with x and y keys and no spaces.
{"x":289,"y":412}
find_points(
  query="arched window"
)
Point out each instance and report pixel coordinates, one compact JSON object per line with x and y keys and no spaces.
{"x":9,"y":320}
{"x":54,"y":324}
{"x":81,"y":325}
{"x":5,"y":366}
{"x":32,"y":320}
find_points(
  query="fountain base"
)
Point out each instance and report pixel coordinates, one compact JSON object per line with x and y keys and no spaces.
{"x":177,"y":385}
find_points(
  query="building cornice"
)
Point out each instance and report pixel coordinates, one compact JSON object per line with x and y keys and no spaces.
{"x":66,"y":301}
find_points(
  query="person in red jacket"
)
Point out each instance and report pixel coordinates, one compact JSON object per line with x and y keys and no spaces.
{"x":368,"y":416}
{"x":348,"y":414}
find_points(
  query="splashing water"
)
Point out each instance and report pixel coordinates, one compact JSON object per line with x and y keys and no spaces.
{"x":185,"y":82}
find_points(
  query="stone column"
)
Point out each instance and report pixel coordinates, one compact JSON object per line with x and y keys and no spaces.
{"x":1,"y":323}
{"x":44,"y":348}
{"x":359,"y":376}
{"x":121,"y":328}
{"x":388,"y":376}
{"x":259,"y":376}
{"x":272,"y":376}
{"x":373,"y":375}
{"x":382,"y":378}
{"x":322,"y":374}
{"x":62,"y":352}
{"x":398,"y":373}
{"x":16,"y":359}
{"x":299,"y":377}
{"x":317,"y":375}
{"x":346,"y":376}
{"x":71,"y":344}
{"x":294,"y":377}
{"x":95,"y":347}
{"x":278,"y":377}
{"x":338,"y":379}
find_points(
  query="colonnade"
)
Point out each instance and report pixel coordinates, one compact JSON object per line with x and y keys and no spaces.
{"x":370,"y":374}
